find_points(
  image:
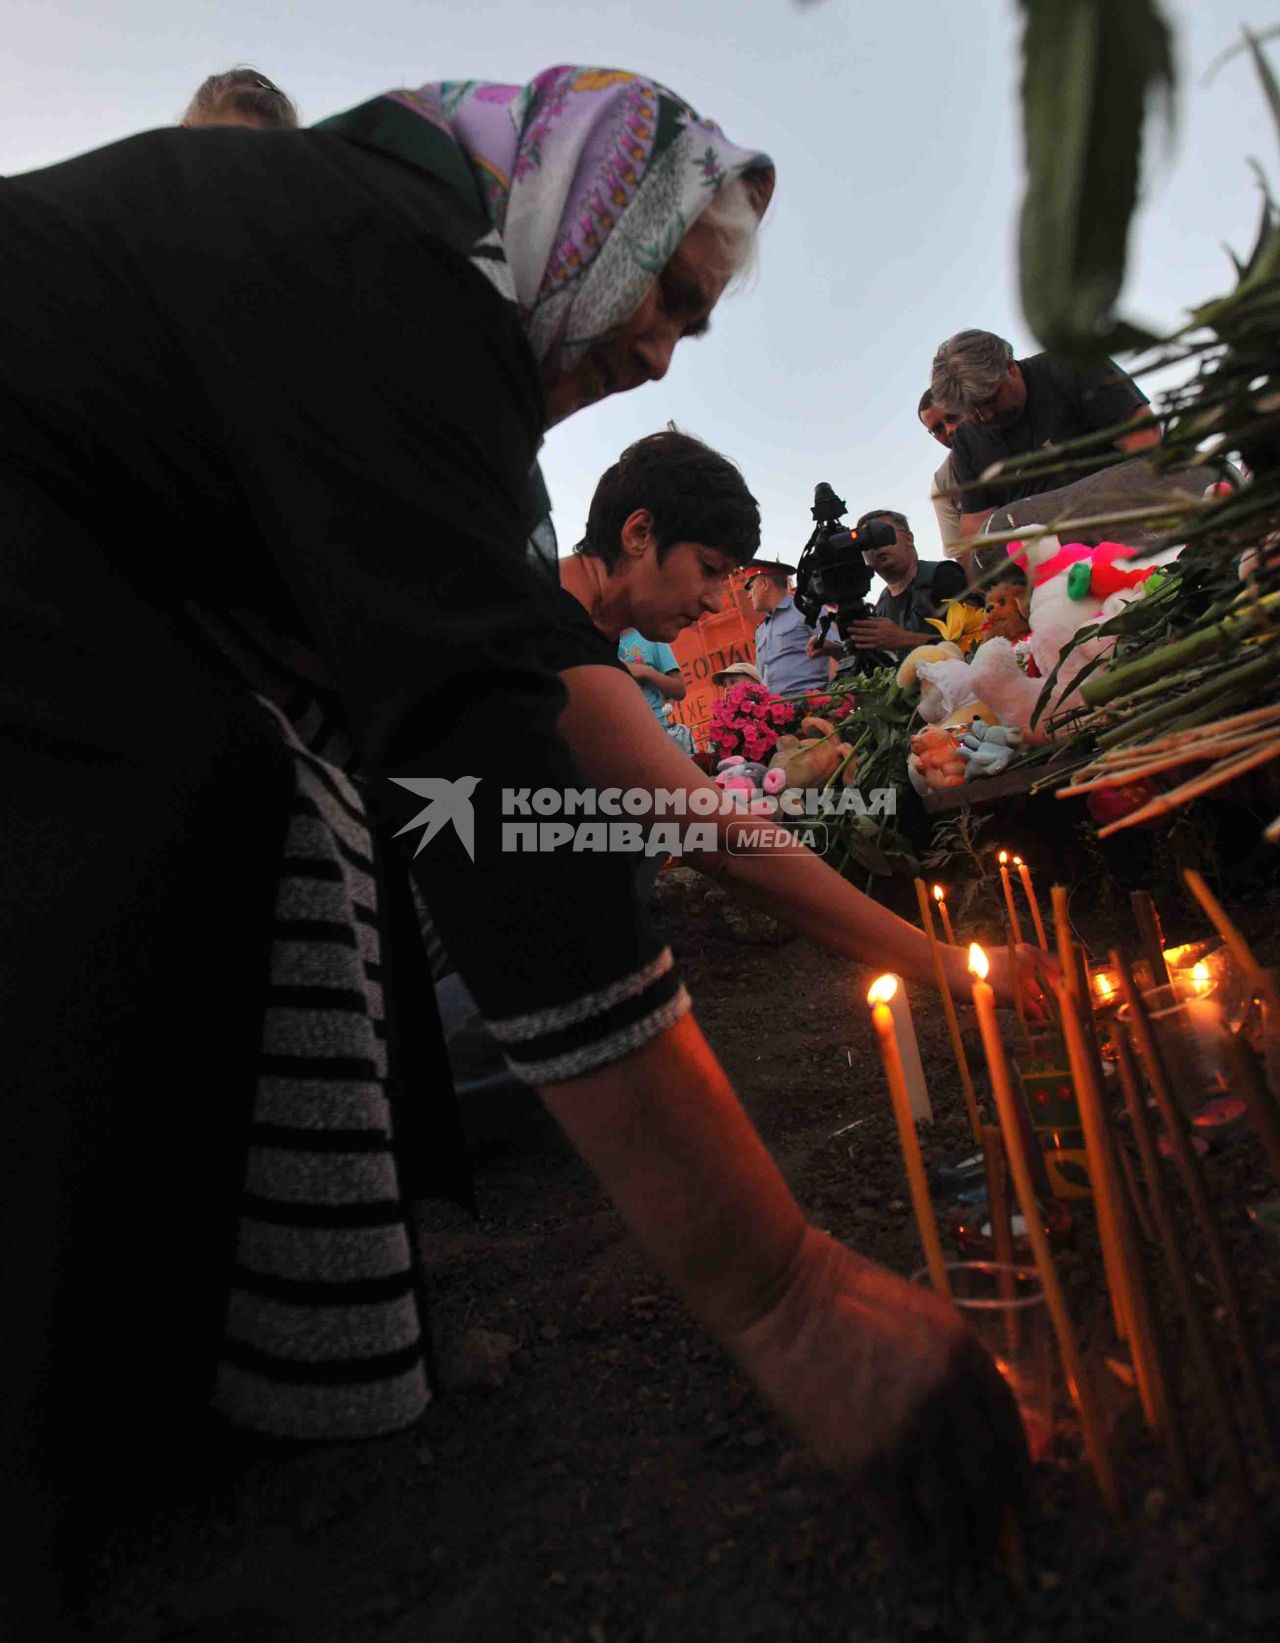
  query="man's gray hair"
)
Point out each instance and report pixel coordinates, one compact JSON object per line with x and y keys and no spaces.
{"x":967,"y":369}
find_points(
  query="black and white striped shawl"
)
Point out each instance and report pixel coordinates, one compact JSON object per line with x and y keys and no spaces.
{"x":325,"y":1336}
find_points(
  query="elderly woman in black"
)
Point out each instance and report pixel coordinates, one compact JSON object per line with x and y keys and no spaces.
{"x":275,"y":626}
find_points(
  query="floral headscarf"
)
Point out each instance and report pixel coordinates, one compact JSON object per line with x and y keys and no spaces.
{"x":590,"y":177}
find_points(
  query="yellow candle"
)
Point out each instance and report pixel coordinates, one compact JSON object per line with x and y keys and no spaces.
{"x":1015,"y":980}
{"x":1024,"y":873}
{"x":1007,"y":887}
{"x":1102,"y":1177}
{"x":1062,"y":928}
{"x":1125,"y":1283}
{"x":1262,"y":981}
{"x":949,"y":1010}
{"x":984,"y":1003}
{"x":904,"y":1030}
{"x":882,"y":990}
{"x":944,"y":914}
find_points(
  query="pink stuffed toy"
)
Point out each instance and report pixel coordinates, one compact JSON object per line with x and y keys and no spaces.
{"x":750,"y":785}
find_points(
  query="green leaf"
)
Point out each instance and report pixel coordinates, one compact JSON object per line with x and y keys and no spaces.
{"x":1269,"y":86}
{"x":1089,"y":67}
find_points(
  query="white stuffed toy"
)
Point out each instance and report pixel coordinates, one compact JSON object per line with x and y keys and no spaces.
{"x":1073,"y":587}
{"x":1007,"y":688}
{"x":932,"y":706}
{"x":952,"y":687}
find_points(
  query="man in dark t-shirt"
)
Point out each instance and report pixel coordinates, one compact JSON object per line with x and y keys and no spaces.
{"x":1014,"y":407}
{"x":915,"y":589}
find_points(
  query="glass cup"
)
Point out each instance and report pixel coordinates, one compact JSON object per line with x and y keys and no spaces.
{"x":1190,"y":1030}
{"x":1005,"y":1308}
{"x":1205,"y":969}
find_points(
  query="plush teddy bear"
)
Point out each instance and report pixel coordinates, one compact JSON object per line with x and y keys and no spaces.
{"x":810,"y":759}
{"x":934,"y":761}
{"x":987,"y":749}
{"x":1004,"y":612}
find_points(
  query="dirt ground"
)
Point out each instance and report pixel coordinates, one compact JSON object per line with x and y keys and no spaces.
{"x":601,"y":1473}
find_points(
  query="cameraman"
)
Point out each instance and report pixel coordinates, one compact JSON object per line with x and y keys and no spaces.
{"x":915,"y":589}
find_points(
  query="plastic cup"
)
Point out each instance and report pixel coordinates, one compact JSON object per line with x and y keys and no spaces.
{"x":1005,"y":1308}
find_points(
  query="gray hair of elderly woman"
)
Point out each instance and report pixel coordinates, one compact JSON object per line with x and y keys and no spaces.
{"x":733,"y":215}
{"x":967,"y":369}
{"x":241,"y":96}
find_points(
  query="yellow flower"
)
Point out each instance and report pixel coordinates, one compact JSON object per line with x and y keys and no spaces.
{"x":962,"y":624}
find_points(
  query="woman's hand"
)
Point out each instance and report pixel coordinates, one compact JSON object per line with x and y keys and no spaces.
{"x":884,"y":1383}
{"x":1038,"y":973}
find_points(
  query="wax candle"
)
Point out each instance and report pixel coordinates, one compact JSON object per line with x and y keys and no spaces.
{"x":1193,"y":1181}
{"x":1236,"y":944}
{"x":1191,"y":1031}
{"x":984,"y":1004}
{"x":944,"y":914}
{"x":1024,"y":873}
{"x":1102,"y":1169}
{"x":880,"y":997}
{"x":1204,"y":1022}
{"x":1007,"y":887}
{"x":1015,"y":979}
{"x":904,"y":1029}
{"x":1126,"y":1277}
{"x":949,"y":1010}
{"x":1062,"y":930}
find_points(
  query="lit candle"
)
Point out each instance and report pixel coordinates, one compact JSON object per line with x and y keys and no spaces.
{"x":904,"y":1029}
{"x":1024,"y":873}
{"x":949,"y":1010}
{"x":1196,"y":1013}
{"x":881,"y":995}
{"x":984,"y":1003}
{"x":1206,"y":1026}
{"x":945,"y":915}
{"x":1007,"y":887}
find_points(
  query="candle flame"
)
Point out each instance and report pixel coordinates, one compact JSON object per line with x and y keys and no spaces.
{"x":1200,"y":978}
{"x":978,"y":961}
{"x":1004,"y":856}
{"x":882,"y":989}
{"x":1017,"y":861}
{"x":1104,"y":987}
{"x":937,"y":892}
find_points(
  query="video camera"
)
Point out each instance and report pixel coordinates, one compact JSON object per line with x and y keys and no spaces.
{"x":832,"y":571}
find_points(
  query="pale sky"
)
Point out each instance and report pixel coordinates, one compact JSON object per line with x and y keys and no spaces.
{"x":894,"y":128}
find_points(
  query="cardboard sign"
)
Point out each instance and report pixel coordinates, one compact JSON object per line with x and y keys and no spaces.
{"x":710,"y":644}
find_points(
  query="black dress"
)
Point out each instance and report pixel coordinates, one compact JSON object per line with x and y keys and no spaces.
{"x":250,"y":373}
